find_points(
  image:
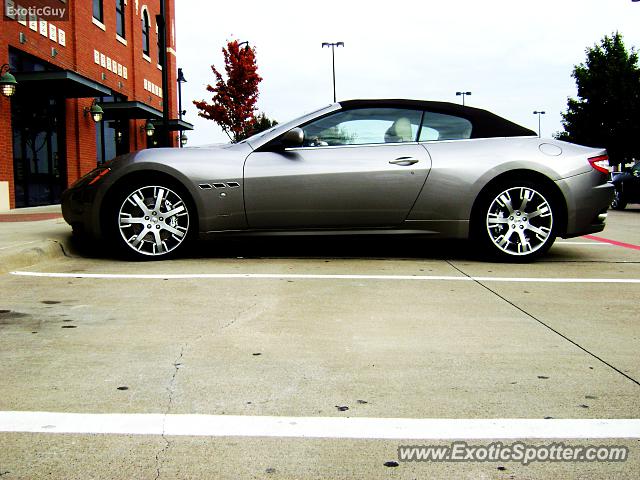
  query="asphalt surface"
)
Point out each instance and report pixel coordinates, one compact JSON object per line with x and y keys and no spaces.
{"x":297,"y":327}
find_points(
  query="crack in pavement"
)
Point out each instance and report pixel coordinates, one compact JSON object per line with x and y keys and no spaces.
{"x":170,"y":390}
{"x":64,"y":252}
{"x":549,"y":327}
{"x":233,"y":320}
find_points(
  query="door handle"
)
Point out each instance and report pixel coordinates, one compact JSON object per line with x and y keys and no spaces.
{"x":404,"y":161}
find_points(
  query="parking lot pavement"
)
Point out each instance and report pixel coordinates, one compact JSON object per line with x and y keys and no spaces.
{"x":296,"y":328}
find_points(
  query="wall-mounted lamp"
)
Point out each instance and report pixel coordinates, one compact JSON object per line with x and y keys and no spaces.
{"x":8,"y":82}
{"x":183,"y":139}
{"x":148,"y":129}
{"x":95,"y":111}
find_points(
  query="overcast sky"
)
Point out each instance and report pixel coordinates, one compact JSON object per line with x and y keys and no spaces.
{"x":514,"y":56}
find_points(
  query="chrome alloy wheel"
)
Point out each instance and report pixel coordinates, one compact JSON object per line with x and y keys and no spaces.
{"x":153,"y":220}
{"x":520,"y":221}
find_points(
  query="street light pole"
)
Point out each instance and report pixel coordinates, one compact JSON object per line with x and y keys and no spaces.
{"x":333,"y":62}
{"x":539,"y":113}
{"x":462,"y":94}
{"x":181,"y":80}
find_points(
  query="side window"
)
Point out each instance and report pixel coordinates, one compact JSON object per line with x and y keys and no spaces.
{"x":363,"y":126}
{"x":438,"y":126}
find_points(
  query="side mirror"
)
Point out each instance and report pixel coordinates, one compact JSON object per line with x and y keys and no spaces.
{"x":293,"y":138}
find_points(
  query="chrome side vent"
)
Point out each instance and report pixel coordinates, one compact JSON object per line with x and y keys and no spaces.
{"x":207,"y":186}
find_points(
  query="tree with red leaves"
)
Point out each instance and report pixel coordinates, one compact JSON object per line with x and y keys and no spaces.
{"x":234,"y":101}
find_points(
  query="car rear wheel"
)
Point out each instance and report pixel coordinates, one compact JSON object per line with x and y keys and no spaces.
{"x":151,"y":221}
{"x":517,"y":221}
{"x":618,"y":202}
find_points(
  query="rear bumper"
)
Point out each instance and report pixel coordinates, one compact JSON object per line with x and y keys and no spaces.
{"x":588,"y":197}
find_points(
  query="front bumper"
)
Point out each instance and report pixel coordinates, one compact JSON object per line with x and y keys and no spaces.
{"x":78,"y":206}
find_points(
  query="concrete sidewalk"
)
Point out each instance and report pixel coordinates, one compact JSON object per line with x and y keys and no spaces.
{"x":31,"y":235}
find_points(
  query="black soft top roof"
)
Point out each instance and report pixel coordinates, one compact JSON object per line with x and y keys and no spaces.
{"x":485,"y":124}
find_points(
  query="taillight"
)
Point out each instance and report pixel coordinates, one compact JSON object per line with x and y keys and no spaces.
{"x":600,"y":163}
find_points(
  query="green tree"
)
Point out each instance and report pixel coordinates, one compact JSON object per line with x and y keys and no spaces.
{"x":607,"y":111}
{"x":260,"y":124}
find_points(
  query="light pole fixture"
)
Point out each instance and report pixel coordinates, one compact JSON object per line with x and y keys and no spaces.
{"x":148,"y":128}
{"x":462,"y":94}
{"x":181,"y":80}
{"x":333,"y":62}
{"x":246,"y":45}
{"x":8,"y":82}
{"x":95,"y":111}
{"x":539,"y":113}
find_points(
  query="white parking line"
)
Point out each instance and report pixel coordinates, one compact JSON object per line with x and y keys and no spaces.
{"x":296,"y":276}
{"x":315,"y":427}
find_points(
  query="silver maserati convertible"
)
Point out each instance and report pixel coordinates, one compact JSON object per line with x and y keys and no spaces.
{"x":359,"y":166}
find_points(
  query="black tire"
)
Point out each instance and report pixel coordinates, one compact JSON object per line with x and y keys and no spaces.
{"x":508,"y":228}
{"x":618,"y":202}
{"x":152,"y":220}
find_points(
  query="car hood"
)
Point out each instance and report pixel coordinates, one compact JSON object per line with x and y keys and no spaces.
{"x":180,"y":158}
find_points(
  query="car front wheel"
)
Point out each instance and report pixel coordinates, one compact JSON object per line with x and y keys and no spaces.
{"x":151,"y":221}
{"x":517,"y":222}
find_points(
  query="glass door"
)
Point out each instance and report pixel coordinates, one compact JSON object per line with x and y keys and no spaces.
{"x":39,"y":155}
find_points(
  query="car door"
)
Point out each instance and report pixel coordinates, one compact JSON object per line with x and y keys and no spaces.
{"x":356,"y":169}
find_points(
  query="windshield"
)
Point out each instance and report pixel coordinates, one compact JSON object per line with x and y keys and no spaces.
{"x":260,"y":138}
{"x":258,"y":135}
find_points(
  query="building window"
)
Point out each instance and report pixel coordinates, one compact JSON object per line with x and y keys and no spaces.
{"x":97,"y":11}
{"x":120,"y":18}
{"x":145,"y":33}
{"x":159,"y":48}
{"x":112,"y":136}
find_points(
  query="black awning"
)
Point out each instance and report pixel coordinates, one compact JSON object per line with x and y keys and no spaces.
{"x":129,"y":110}
{"x":66,"y":84}
{"x":174,"y":125}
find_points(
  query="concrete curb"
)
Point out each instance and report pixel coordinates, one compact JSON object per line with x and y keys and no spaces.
{"x":18,"y":257}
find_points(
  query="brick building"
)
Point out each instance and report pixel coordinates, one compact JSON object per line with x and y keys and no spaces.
{"x":101,"y":52}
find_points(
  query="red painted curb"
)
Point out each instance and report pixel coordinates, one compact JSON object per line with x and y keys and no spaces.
{"x":28,"y":217}
{"x":613,"y":242}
